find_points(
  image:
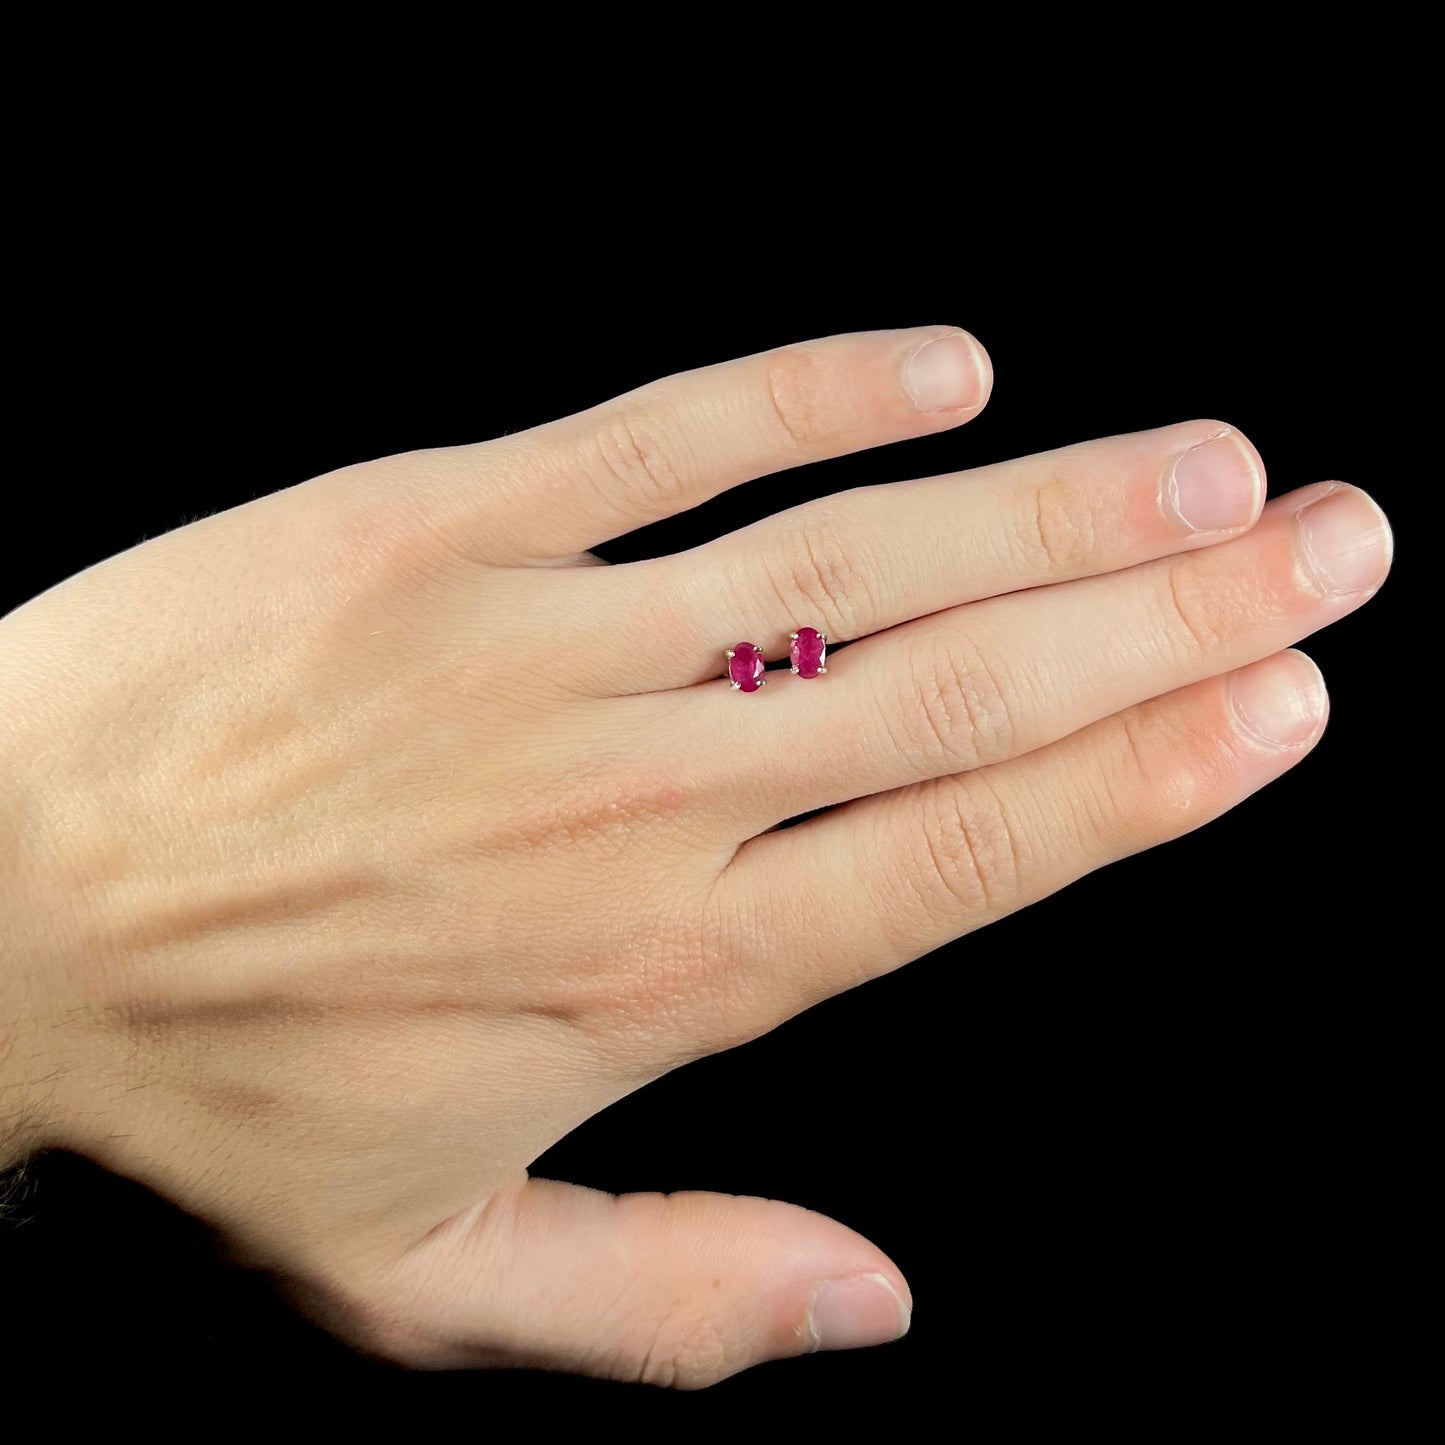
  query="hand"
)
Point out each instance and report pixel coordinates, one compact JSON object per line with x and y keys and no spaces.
{"x":362,"y":841}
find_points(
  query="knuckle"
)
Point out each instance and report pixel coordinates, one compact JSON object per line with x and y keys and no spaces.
{"x":1167,"y":772}
{"x":645,"y":460}
{"x":1195,"y":617}
{"x":367,"y":519}
{"x":962,"y":711}
{"x":1056,"y":529}
{"x":819,"y":576}
{"x":1150,"y":786}
{"x":971,"y":859}
{"x":1133,"y":762}
{"x":793,"y":391}
{"x":686,"y":1353}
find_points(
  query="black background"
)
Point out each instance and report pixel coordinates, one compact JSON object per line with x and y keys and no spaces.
{"x":1176,"y":1120}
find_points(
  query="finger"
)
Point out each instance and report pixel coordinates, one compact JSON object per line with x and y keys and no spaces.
{"x":979,"y":684}
{"x":562,"y":488}
{"x":865,"y":560}
{"x":871,"y":885}
{"x":681,"y":1289}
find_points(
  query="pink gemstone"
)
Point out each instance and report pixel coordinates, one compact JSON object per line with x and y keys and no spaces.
{"x":809,"y":649}
{"x":745,"y":667}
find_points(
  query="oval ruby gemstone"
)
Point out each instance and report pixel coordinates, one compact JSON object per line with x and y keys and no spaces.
{"x":745,"y":667}
{"x":809,"y":649}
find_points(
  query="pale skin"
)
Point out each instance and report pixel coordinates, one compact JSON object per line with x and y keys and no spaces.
{"x":343,"y":870}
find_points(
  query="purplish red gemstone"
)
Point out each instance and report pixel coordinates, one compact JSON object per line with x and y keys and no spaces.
{"x":745,"y":667}
{"x":808,"y":651}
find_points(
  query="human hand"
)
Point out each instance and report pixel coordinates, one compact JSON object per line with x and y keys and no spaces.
{"x":362,"y":841}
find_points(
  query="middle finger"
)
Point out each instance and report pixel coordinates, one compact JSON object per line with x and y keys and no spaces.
{"x":868,"y":559}
{"x":994,"y":679}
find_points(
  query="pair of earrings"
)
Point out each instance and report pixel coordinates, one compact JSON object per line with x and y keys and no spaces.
{"x":807,"y":653}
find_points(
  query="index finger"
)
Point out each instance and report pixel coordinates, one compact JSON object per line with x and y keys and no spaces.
{"x":562,"y":488}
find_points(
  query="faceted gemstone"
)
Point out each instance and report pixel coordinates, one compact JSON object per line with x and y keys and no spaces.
{"x":809,"y":649}
{"x":745,"y":667}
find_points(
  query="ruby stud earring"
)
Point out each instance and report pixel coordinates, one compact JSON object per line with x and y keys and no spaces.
{"x":809,"y":652}
{"x":745,"y":668}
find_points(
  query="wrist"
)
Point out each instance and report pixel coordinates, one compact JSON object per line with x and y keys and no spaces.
{"x":31,"y":1036}
{"x":20,"y":1069}
{"x":18,"y":1134}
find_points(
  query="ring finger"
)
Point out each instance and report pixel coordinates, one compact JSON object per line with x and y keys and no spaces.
{"x":821,"y":907}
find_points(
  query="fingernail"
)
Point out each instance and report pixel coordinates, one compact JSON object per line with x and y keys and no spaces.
{"x":1346,"y":541}
{"x":1216,"y":485}
{"x":1281,"y":701}
{"x":861,"y":1310}
{"x":944,"y":375}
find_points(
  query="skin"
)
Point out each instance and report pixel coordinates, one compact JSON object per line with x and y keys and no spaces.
{"x":324,"y":917}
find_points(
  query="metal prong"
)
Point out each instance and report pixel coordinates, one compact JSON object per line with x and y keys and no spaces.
{"x":821,"y":671}
{"x":794,"y":671}
{"x":736,"y":686}
{"x":792,"y":637}
{"x":731,"y":654}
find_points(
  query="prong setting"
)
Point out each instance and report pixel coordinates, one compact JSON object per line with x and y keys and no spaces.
{"x":807,"y":651}
{"x":745,"y":665}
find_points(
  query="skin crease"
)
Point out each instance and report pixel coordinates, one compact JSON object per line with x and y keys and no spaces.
{"x":324,"y":920}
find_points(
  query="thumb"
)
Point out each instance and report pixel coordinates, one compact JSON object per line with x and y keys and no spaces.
{"x":676,"y":1289}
